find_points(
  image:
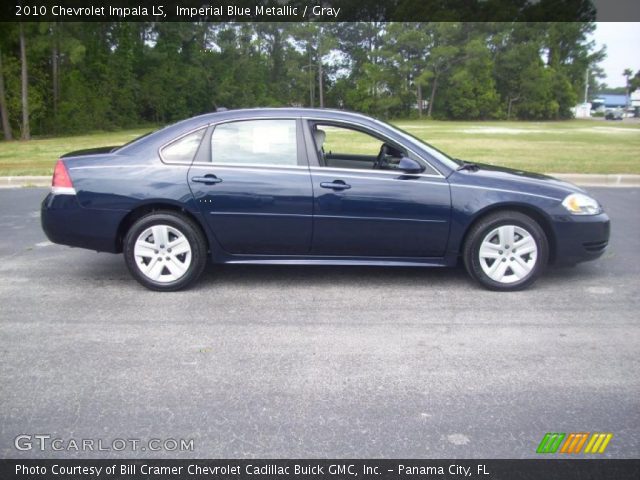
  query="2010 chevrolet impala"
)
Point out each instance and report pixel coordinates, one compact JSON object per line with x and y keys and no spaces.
{"x":304,"y":186}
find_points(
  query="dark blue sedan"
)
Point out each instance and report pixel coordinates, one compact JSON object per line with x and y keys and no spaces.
{"x":314,"y":187}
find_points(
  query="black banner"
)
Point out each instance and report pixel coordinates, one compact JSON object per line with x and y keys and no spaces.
{"x":543,"y":469}
{"x":320,"y":10}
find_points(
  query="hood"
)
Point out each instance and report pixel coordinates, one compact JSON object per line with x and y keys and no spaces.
{"x":510,"y":176}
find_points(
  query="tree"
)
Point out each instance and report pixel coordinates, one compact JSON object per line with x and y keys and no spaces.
{"x":627,"y":75}
{"x":472,"y":93}
{"x":442,"y":55}
{"x":6,"y":127}
{"x":634,"y":84}
{"x":24,"y":77}
{"x":72,"y":76}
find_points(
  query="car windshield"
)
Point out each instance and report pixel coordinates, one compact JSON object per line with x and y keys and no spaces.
{"x":433,"y":151}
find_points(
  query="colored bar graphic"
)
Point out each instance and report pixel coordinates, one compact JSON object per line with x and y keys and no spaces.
{"x":581,"y":442}
{"x":574,"y":443}
{"x":598,"y":443}
{"x":550,"y":443}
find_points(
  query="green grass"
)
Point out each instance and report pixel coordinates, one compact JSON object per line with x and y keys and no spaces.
{"x":39,"y":155}
{"x":577,"y":146}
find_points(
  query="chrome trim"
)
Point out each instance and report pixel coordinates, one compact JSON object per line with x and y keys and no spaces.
{"x":315,"y":119}
{"x":234,"y":120}
{"x":248,"y":165}
{"x":369,"y":171}
{"x":297,"y":170}
{"x":325,"y":260}
{"x":350,"y":217}
{"x":63,"y":190}
{"x":504,"y":190}
{"x":393,"y":219}
{"x":261,"y":214}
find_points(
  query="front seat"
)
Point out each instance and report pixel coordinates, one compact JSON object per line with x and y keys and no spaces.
{"x":320,"y":136}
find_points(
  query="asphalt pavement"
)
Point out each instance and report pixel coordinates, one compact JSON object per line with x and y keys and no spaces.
{"x":314,"y":362}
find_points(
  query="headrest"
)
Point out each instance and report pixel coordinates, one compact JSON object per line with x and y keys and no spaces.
{"x":319,"y":136}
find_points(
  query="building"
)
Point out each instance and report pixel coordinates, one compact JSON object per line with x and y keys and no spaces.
{"x":609,"y":101}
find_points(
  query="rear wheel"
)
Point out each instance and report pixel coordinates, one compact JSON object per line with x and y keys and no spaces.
{"x":506,"y":251}
{"x":165,"y":251}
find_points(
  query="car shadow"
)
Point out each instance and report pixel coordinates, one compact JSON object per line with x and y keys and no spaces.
{"x":253,"y":275}
{"x":111,"y":268}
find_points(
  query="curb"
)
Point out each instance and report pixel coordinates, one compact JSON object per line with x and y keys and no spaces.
{"x":599,"y":180}
{"x":25,"y":181}
{"x":581,"y":179}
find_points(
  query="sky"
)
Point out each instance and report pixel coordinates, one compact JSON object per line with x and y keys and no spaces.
{"x":623,"y":49}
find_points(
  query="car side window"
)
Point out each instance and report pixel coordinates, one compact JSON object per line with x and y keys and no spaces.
{"x":255,"y":142}
{"x":183,"y":149}
{"x":350,"y":148}
{"x":341,"y":147}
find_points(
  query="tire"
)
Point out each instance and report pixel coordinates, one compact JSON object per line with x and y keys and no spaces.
{"x":165,"y":251}
{"x":489,"y":254}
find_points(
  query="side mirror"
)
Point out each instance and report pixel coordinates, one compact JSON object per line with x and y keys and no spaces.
{"x":409,"y":165}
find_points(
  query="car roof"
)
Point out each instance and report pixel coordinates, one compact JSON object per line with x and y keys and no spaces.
{"x":323,"y":113}
{"x":174,"y":130}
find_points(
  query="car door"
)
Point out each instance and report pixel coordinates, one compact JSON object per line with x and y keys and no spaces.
{"x":252,"y":185}
{"x":362,"y":211}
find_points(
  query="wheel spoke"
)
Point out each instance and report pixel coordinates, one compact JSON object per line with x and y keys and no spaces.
{"x":489,"y":250}
{"x":506,"y":235}
{"x":144,"y":249}
{"x":526,"y":245}
{"x":154,"y":269}
{"x":180,"y":245}
{"x":160,"y":235}
{"x":523,"y":264}
{"x":175,"y":266}
{"x":518,"y":269}
{"x":499,"y":271}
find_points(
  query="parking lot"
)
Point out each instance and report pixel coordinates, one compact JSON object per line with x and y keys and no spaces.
{"x":315,"y":362}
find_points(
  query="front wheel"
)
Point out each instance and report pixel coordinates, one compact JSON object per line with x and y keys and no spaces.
{"x":506,"y":251}
{"x":165,"y":251}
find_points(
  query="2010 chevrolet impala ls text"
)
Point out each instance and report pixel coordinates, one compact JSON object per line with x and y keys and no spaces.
{"x":315,"y":187}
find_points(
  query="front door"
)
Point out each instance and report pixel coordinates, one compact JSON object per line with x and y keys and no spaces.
{"x":365,"y":206}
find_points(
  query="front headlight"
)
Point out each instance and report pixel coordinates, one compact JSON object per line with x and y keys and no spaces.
{"x":579,"y":204}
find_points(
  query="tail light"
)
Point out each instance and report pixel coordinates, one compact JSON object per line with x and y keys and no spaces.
{"x":61,"y":182}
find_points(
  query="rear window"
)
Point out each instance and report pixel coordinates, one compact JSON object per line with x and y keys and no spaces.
{"x":183,"y":149}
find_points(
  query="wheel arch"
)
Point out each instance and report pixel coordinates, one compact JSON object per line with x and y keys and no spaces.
{"x":535,"y":213}
{"x":149,"y":207}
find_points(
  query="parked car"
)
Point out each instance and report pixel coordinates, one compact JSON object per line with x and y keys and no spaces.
{"x":614,"y":115}
{"x":314,"y":187}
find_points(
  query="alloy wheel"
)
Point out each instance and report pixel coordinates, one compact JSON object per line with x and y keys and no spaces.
{"x":162,"y":253}
{"x":508,"y":254}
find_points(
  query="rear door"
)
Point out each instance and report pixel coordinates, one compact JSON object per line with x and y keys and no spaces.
{"x":254,"y":187}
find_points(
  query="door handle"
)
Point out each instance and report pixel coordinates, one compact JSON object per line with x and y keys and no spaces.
{"x":336,"y":185}
{"x":208,"y":179}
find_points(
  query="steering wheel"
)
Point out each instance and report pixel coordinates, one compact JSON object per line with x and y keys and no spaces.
{"x":381,"y":161}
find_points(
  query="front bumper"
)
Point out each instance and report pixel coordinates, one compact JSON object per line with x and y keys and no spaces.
{"x":580,"y":238}
{"x":65,"y":222}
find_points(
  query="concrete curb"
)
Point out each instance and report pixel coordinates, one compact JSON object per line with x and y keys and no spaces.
{"x":582,"y":179}
{"x":25,"y":181}
{"x":599,"y":180}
